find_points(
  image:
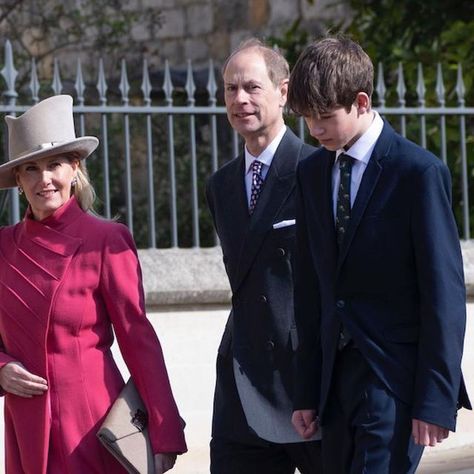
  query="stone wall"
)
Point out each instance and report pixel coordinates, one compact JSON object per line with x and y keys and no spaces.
{"x":196,"y":277}
{"x":200,"y":29}
{"x":181,"y":30}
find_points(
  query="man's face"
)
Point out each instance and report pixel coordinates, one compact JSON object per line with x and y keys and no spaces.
{"x":335,"y":129}
{"x":254,"y":104}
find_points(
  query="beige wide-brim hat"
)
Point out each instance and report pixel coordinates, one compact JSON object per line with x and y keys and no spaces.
{"x":47,"y":129}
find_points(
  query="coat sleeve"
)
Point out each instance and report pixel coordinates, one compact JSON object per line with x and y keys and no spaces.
{"x":4,"y":357}
{"x":307,"y":314}
{"x":122,"y":291}
{"x":442,"y":293}
{"x":4,"y":360}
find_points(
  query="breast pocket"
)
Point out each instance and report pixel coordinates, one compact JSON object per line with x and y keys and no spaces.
{"x":281,"y":243}
{"x":287,"y":232}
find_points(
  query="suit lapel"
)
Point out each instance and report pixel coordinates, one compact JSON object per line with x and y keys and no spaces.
{"x":327,"y":203}
{"x":236,"y":216}
{"x":369,"y":182}
{"x":279,"y":183}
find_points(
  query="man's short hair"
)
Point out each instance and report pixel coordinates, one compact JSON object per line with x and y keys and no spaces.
{"x":329,"y":73}
{"x":277,"y":65}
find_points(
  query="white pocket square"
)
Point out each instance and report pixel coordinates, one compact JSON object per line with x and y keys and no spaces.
{"x":287,"y":223}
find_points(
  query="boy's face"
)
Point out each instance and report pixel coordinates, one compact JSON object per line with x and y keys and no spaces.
{"x":254,"y":104}
{"x":337,"y":128}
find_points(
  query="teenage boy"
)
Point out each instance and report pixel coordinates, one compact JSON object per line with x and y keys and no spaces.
{"x":252,"y":200}
{"x":380,"y":296}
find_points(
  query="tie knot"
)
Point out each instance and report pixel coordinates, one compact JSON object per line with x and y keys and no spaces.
{"x":257,"y":167}
{"x":345,"y":161}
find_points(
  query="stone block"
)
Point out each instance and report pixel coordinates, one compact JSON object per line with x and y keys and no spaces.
{"x":282,"y":11}
{"x":199,"y":19}
{"x":467,"y":247}
{"x":236,"y":37}
{"x":197,"y":50}
{"x":259,"y":11}
{"x":159,"y":4}
{"x":172,"y":50}
{"x":219,"y":47}
{"x":173,"y":24}
{"x":140,"y":33}
{"x":184,"y":276}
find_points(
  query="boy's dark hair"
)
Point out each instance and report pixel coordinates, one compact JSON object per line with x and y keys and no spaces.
{"x":277,"y":65}
{"x":329,"y":73}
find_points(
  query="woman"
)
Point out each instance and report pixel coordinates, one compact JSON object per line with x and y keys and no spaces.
{"x":67,"y":277}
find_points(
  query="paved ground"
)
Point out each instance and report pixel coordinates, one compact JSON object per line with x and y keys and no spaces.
{"x":190,"y":339}
{"x":190,"y":355}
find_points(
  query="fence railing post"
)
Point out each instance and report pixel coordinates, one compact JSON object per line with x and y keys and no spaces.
{"x":10,"y":95}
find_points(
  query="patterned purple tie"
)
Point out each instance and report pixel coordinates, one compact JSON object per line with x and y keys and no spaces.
{"x":257,"y":184}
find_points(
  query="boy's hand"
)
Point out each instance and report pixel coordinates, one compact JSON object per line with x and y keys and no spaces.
{"x":427,"y":434}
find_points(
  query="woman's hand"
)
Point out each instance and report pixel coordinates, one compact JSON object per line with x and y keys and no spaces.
{"x":15,"y":379}
{"x":164,"y":462}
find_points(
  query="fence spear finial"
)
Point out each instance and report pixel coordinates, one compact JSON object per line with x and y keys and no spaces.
{"x":124,"y":84}
{"x":146,"y":83}
{"x":102,"y":84}
{"x":57,"y":85}
{"x":190,"y":86}
{"x":168,"y":84}
{"x":34,"y":82}
{"x":80,"y":84}
{"x":9,"y":73}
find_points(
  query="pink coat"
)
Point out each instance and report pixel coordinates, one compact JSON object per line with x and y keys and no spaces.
{"x":64,"y":282}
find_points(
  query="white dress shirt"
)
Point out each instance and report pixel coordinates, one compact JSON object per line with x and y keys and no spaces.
{"x":361,"y":152}
{"x":266,"y":157}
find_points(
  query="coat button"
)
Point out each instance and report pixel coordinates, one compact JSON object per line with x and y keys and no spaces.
{"x":281,"y":252}
{"x":262,"y":299}
{"x":269,"y":346}
{"x":340,"y":304}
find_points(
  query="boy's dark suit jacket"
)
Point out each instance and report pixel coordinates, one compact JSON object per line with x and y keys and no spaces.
{"x":396,"y":283}
{"x":257,"y":348}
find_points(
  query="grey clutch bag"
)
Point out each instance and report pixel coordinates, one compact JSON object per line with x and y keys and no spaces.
{"x":124,"y":432}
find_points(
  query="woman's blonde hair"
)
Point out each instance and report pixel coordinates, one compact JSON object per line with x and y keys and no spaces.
{"x":82,"y":190}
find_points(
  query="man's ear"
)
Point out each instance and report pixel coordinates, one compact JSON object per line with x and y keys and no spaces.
{"x":283,"y":92}
{"x":362,"y":103}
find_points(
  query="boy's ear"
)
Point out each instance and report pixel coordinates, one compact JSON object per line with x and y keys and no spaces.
{"x":362,"y":103}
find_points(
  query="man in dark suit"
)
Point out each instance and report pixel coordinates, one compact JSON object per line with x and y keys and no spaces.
{"x":251,"y":199}
{"x":379,"y":289}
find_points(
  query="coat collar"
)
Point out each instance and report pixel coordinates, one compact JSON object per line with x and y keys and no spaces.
{"x":69,"y":212}
{"x":49,"y":233}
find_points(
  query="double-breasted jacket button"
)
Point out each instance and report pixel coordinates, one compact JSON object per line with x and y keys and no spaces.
{"x":269,"y":346}
{"x":340,"y":304}
{"x":262,"y":299}
{"x":281,"y":252}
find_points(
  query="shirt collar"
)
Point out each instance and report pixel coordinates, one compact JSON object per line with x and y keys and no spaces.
{"x":267,"y":155}
{"x":363,"y":147}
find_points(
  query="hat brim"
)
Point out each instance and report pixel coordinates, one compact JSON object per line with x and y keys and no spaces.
{"x":82,"y":147}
